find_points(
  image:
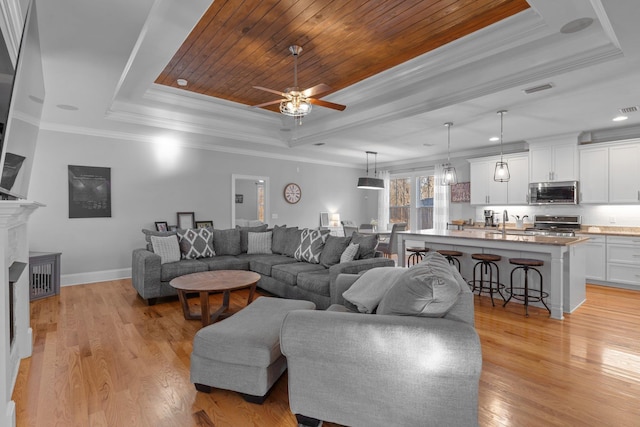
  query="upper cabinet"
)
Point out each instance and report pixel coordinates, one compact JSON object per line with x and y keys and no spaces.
{"x":610,"y":173}
{"x":486,"y":191}
{"x":553,"y":160}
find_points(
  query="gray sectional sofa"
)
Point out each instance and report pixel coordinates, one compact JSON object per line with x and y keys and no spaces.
{"x":282,"y":273}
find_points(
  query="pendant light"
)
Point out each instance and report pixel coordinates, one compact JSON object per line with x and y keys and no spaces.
{"x":448,"y":172}
{"x":374,"y":183}
{"x":501,"y":173}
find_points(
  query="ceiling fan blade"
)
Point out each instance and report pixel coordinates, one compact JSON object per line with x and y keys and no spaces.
{"x":327,"y":104}
{"x":316,"y":90}
{"x":277,"y":92}
{"x":264,"y":104}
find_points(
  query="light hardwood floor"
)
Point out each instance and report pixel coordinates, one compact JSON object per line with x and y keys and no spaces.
{"x":101,"y":357}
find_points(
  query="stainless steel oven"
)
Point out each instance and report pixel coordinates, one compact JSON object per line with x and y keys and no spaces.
{"x":553,"y":193}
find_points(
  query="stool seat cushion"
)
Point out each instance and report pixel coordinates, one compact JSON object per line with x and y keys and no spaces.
{"x":486,"y":257}
{"x":445,"y":252}
{"x":249,"y":337}
{"x":529,"y":262}
{"x":416,"y":249}
{"x":428,"y":289}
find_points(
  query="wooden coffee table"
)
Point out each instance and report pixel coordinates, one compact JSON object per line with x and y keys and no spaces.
{"x":208,"y":282}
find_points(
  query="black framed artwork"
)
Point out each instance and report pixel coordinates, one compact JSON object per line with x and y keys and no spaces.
{"x":204,"y":224}
{"x":162,"y":226}
{"x":89,"y":192}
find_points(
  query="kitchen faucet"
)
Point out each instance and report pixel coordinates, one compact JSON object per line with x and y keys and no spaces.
{"x":505,"y":218}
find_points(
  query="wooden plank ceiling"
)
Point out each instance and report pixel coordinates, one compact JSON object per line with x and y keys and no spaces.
{"x":240,"y":44}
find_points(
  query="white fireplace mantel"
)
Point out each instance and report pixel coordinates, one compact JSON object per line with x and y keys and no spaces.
{"x":14,"y":247}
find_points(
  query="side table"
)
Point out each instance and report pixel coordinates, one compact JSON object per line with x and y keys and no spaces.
{"x":44,"y":274}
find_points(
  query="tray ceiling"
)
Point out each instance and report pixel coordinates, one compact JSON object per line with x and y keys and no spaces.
{"x":237,"y":45}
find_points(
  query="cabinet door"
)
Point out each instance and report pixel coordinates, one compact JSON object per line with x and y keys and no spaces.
{"x":624,"y":174}
{"x":540,"y":164}
{"x":518,"y":186}
{"x":564,"y":163}
{"x":478,"y":175}
{"x":594,"y":175}
{"x":596,"y":258}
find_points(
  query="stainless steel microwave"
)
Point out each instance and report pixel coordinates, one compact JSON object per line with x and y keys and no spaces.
{"x":553,"y":193}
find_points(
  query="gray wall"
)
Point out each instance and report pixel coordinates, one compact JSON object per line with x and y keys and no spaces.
{"x":147,"y":188}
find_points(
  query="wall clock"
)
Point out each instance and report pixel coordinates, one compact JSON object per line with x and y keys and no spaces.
{"x":292,"y":193}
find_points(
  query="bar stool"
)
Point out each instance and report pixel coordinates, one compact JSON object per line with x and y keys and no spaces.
{"x":526,"y":293}
{"x":488,"y":263}
{"x":416,"y":255}
{"x":451,"y":256}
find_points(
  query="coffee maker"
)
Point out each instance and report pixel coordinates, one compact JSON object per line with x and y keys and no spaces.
{"x":488,"y":218}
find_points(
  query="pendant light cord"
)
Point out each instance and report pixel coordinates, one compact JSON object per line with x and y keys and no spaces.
{"x":502,"y":113}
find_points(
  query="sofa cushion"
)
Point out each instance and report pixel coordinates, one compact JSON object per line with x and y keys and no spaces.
{"x":149,"y":233}
{"x":288,"y":273}
{"x":368,"y":245}
{"x":333,"y":249}
{"x":369,"y":289}
{"x":167,"y":247}
{"x":196,"y":243}
{"x":316,"y":282}
{"x":172,"y":270}
{"x":279,"y":239}
{"x":244,"y":235}
{"x":262,"y":264}
{"x":350,"y":253}
{"x":311,"y":245}
{"x":292,"y":241}
{"x":225,"y":262}
{"x":227,"y":242}
{"x":428,"y":289}
{"x":259,"y":243}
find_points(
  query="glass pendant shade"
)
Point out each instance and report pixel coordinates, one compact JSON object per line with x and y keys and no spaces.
{"x":371,"y":183}
{"x":501,"y":174}
{"x":448,"y":171}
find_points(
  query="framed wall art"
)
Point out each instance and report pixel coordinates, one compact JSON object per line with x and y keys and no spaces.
{"x":89,"y":192}
{"x":204,"y":224}
{"x":162,"y":226}
{"x":461,"y":192}
{"x":186,"y":220}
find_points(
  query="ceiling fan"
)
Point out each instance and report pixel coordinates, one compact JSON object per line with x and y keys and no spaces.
{"x":295,"y":102}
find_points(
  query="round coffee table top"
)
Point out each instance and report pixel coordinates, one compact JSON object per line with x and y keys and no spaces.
{"x":217,"y":280}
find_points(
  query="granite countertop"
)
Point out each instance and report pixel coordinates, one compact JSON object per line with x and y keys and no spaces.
{"x":513,"y":235}
{"x":598,"y":230}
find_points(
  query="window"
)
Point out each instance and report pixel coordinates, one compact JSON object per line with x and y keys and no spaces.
{"x":411,"y":199}
{"x":260,"y":190}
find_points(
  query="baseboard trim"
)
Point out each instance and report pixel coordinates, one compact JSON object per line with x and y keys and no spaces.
{"x":94,"y":276}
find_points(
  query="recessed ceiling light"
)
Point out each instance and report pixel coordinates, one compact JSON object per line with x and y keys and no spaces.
{"x":182,"y":82}
{"x":494,"y":139}
{"x":317,"y":144}
{"x":576,"y":25}
{"x":620,"y":118}
{"x":67,"y":107}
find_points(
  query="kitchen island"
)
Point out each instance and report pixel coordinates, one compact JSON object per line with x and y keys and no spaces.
{"x":564,"y":258}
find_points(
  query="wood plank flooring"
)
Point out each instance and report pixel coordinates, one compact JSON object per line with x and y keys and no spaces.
{"x":101,"y":357}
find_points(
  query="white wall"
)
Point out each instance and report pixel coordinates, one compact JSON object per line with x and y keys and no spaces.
{"x":148,"y":186}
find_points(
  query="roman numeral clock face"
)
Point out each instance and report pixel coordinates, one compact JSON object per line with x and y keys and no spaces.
{"x":292,"y":193}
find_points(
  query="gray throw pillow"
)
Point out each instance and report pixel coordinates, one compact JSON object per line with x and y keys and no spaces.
{"x":227,"y":242}
{"x":196,"y":243}
{"x":149,"y":233}
{"x":428,"y":289}
{"x":293,"y":241}
{"x":260,"y":243}
{"x":368,"y":245}
{"x":279,"y":239}
{"x":244,"y":235}
{"x":333,"y":249}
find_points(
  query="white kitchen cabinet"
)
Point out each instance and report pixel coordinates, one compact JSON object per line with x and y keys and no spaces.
{"x":594,"y":174}
{"x":486,"y":191}
{"x":624,"y":173}
{"x":623,"y":260}
{"x":553,"y":161}
{"x":596,"y":257}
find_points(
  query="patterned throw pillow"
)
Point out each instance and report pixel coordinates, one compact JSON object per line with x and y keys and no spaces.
{"x":259,"y":243}
{"x":311,"y":244}
{"x":167,"y":247}
{"x":350,"y":253}
{"x":196,"y":243}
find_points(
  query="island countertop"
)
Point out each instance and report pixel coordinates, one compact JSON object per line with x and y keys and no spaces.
{"x":496,"y":235}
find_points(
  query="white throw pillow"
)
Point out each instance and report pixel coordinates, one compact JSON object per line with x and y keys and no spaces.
{"x":167,"y":247}
{"x":367,"y":292}
{"x":350,"y":253}
{"x":259,"y":243}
